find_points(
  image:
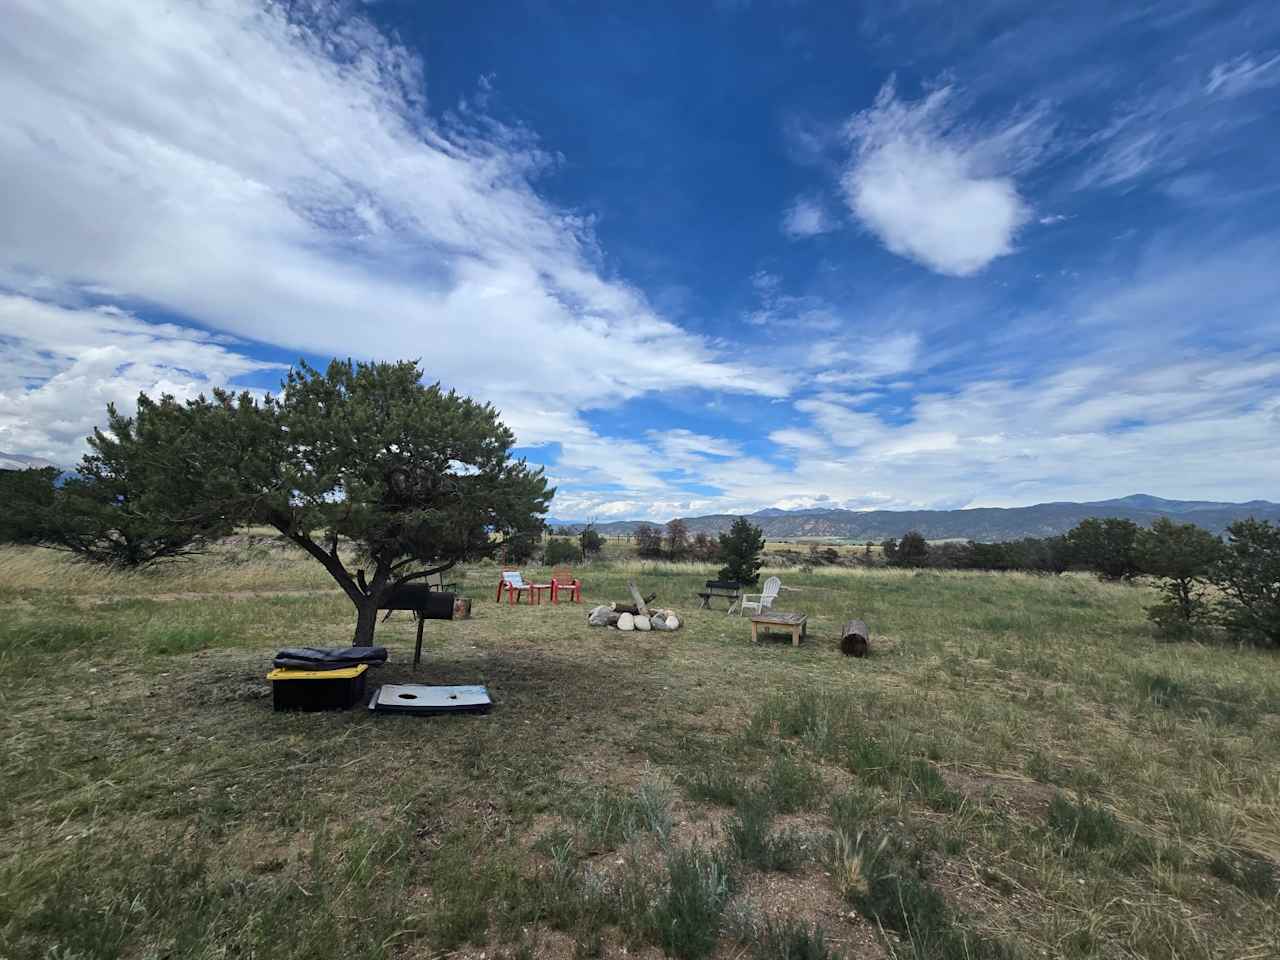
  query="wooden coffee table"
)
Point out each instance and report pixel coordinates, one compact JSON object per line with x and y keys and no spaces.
{"x":794,"y":622}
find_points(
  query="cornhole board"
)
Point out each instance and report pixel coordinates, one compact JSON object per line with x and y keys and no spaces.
{"x":422,"y":699}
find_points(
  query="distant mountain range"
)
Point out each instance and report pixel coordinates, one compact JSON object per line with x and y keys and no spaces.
{"x":981,"y":523}
{"x":20,"y":461}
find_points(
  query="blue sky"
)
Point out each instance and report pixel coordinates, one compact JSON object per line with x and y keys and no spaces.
{"x":704,"y":257}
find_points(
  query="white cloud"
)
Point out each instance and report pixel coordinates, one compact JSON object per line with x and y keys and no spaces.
{"x":804,"y":440}
{"x":1052,"y":219}
{"x":855,"y":360}
{"x":279,"y":180}
{"x":1116,"y":412}
{"x":933,"y":190}
{"x":684,"y":446}
{"x":806,"y":218}
{"x":59,"y":368}
{"x":1242,"y":75}
{"x":782,"y":312}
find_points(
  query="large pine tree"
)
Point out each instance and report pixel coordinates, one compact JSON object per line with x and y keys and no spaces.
{"x":415,"y":479}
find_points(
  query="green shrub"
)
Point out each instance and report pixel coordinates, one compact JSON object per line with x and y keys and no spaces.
{"x":561,"y":550}
{"x":590,"y":542}
{"x":648,"y":541}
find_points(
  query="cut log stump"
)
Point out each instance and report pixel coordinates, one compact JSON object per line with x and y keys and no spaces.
{"x":855,"y":640}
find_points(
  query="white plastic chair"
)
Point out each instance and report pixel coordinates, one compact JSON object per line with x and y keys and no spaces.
{"x":759,"y":602}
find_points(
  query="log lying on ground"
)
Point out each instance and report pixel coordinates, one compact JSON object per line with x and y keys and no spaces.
{"x":855,"y":639}
{"x":639,"y":608}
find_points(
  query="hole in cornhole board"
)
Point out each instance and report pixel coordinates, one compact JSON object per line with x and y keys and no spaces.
{"x":422,"y":699}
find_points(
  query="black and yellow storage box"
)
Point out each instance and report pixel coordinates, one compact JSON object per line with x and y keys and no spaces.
{"x":318,"y":689}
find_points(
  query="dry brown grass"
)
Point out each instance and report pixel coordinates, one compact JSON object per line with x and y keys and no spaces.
{"x":153,"y":804}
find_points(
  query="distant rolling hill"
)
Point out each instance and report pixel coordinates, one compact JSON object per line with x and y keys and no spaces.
{"x":982,"y":523}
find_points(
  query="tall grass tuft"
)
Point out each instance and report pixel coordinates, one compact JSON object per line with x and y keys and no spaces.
{"x":686,"y":916}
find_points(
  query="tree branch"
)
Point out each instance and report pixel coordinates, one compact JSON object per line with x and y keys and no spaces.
{"x":419,"y":574}
{"x":330,"y":563}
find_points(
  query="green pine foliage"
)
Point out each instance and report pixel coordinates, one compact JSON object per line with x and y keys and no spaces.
{"x":27,"y":496}
{"x":912,"y":551}
{"x":1248,"y":575}
{"x":111,"y":513}
{"x":1182,"y":556}
{"x":418,"y":479}
{"x":1106,"y":546}
{"x":740,"y":552}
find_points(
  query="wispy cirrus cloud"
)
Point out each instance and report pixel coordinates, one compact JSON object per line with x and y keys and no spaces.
{"x":1242,"y":75}
{"x":934,"y":189}
{"x":293,"y":189}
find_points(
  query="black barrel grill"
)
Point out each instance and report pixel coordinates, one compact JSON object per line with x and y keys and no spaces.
{"x":424,"y":603}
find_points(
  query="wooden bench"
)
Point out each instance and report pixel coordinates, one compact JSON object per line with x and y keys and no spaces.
{"x":729,"y":590}
{"x":796,"y":623}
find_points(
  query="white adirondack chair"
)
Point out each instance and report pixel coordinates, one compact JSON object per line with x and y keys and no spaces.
{"x":759,"y":602}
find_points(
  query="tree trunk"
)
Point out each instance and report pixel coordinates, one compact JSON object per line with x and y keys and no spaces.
{"x":366,"y":622}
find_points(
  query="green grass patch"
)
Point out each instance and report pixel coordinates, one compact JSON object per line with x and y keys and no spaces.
{"x":1248,"y":871}
{"x":719,"y":785}
{"x":609,"y":819}
{"x":887,"y":882}
{"x":685,"y":918}
{"x":791,"y":939}
{"x":753,"y":840}
{"x":1084,"y":824}
{"x":171,"y":640}
{"x":792,"y":785}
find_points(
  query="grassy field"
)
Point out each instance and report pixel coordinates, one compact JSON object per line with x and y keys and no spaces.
{"x":1019,"y":770}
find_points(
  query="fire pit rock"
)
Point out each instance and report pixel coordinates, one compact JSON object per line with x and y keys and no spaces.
{"x":606,"y":615}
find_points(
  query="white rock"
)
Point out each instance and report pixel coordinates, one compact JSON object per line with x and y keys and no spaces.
{"x":643,"y":623}
{"x":599,"y":616}
{"x":673,"y":622}
{"x":626,"y":622}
